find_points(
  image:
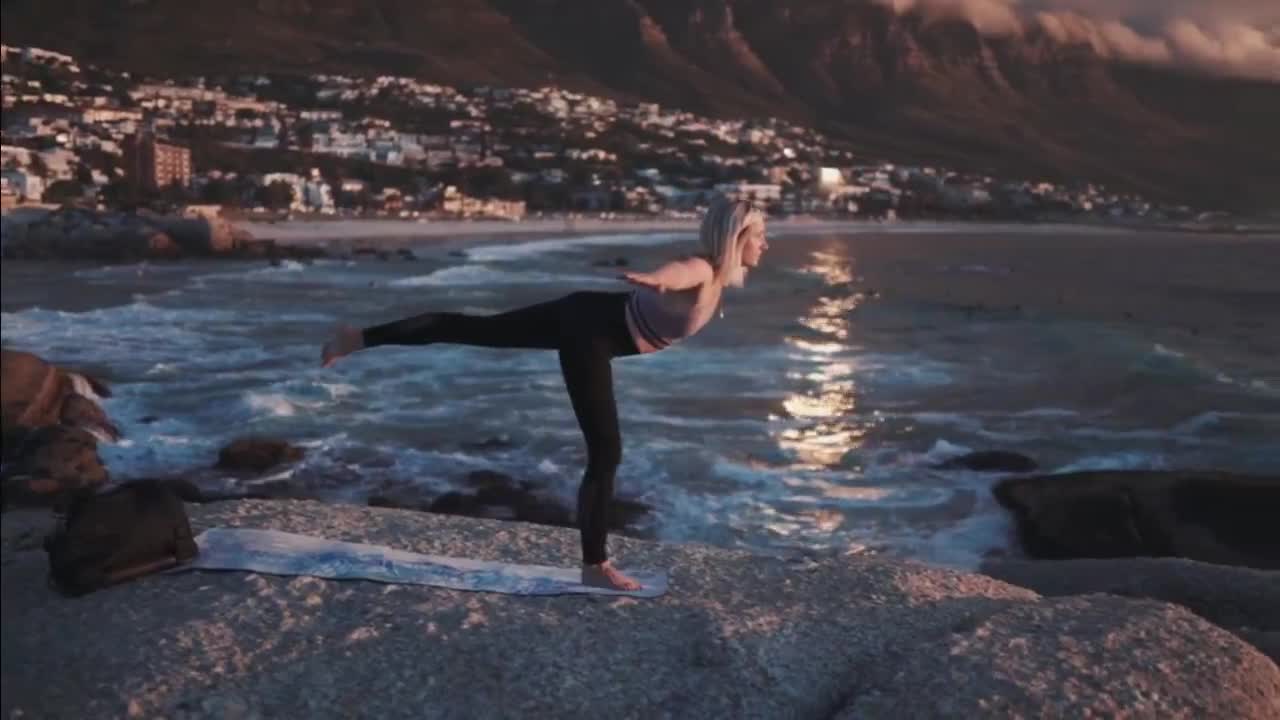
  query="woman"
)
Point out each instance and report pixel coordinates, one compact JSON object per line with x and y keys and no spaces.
{"x":589,"y":329}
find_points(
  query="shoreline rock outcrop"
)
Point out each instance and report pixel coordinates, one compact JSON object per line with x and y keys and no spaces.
{"x":1242,"y":600}
{"x":737,"y":635}
{"x":1216,"y":517}
{"x":71,"y":233}
{"x":51,"y":422}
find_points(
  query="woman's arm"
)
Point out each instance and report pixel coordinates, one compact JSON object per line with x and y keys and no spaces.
{"x":676,"y":275}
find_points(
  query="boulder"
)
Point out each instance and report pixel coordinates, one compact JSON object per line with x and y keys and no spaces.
{"x":990,"y":461}
{"x":1215,"y":517}
{"x":1242,"y":600}
{"x":200,"y":235}
{"x":1095,"y":656}
{"x":35,"y":393}
{"x":79,"y":411}
{"x":52,"y":461}
{"x":495,"y":495}
{"x":498,"y":442}
{"x":51,"y":422}
{"x":498,"y":496}
{"x":256,"y":455}
{"x":736,"y":636}
{"x":75,"y":233}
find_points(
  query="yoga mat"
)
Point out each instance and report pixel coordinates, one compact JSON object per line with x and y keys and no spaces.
{"x":281,"y":553}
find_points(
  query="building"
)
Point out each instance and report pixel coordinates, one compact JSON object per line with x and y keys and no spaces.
{"x":828,"y":178}
{"x":153,"y":165}
{"x":761,"y":192}
{"x":454,"y":202}
{"x":22,"y":184}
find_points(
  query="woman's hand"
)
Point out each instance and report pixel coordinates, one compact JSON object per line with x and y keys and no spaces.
{"x":644,"y":280}
{"x":346,"y":340}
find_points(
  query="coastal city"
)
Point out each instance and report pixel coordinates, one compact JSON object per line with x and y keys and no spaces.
{"x":727,"y":359}
{"x":328,"y":145}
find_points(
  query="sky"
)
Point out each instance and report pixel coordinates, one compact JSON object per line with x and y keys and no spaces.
{"x":1234,"y":37}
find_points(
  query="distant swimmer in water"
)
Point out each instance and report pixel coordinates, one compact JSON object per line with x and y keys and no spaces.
{"x":589,"y":330}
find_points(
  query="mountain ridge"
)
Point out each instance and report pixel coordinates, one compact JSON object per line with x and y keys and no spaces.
{"x":898,"y":86}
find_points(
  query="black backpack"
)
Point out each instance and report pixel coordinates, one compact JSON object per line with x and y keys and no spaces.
{"x":106,"y":538}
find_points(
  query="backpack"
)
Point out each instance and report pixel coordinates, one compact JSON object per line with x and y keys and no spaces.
{"x":103,"y":539}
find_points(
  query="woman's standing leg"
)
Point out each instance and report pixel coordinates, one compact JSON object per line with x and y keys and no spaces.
{"x":588,"y":376}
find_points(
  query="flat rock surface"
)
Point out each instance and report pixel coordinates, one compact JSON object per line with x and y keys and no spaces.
{"x":737,"y":636}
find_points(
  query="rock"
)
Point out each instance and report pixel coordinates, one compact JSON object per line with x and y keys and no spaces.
{"x":502,"y":442}
{"x":498,"y":496}
{"x":736,"y":636}
{"x":35,"y":393}
{"x":80,"y":234}
{"x":1266,"y":642}
{"x":53,"y":460}
{"x":255,"y":455}
{"x":1242,"y":600}
{"x":79,"y":411}
{"x":73,"y":233}
{"x":186,"y":489}
{"x":1221,"y":518}
{"x":990,"y":461}
{"x":50,"y":425}
{"x":1059,"y":658}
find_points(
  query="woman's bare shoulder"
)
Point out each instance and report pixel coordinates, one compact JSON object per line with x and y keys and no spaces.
{"x":699,"y":261}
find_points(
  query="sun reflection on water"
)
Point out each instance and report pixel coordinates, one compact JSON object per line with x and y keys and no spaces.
{"x":820,"y":419}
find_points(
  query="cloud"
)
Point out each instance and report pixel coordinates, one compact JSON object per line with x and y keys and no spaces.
{"x":1236,"y":37}
{"x":992,"y":17}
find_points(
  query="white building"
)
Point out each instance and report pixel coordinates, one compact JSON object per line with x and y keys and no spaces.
{"x":317,"y":195}
{"x":763,"y":192}
{"x":23,"y":184}
{"x":829,"y":177}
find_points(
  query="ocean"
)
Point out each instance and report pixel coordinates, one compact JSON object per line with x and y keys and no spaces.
{"x":811,"y":415}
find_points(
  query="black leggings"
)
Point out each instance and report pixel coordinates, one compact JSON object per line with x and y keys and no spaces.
{"x":588,"y":329}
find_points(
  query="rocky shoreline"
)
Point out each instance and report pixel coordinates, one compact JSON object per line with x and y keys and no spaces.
{"x":71,"y":233}
{"x":738,"y":635}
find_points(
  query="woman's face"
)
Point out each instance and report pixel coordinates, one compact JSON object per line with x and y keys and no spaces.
{"x":753,"y":244}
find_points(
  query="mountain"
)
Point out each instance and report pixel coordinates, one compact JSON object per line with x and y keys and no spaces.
{"x":897,"y":86}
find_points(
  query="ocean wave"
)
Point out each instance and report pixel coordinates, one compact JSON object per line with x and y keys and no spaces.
{"x":1130,"y":460}
{"x":943,"y":450}
{"x":524,"y":250}
{"x":278,"y":404}
{"x":465,"y":275}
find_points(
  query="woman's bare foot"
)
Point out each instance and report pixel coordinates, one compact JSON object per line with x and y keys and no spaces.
{"x":346,"y":340}
{"x":605,"y":575}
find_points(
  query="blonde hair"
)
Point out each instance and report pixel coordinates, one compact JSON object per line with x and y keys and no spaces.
{"x":720,"y":235}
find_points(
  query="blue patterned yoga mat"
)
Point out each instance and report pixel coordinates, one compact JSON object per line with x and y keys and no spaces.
{"x":281,"y":553}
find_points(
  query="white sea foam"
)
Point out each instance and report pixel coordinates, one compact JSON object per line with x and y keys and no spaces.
{"x":943,"y":450}
{"x":278,"y":404}
{"x":1132,"y":460}
{"x":525,"y":250}
{"x":468,"y":275}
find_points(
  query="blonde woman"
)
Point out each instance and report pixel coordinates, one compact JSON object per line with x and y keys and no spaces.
{"x":589,"y":330}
